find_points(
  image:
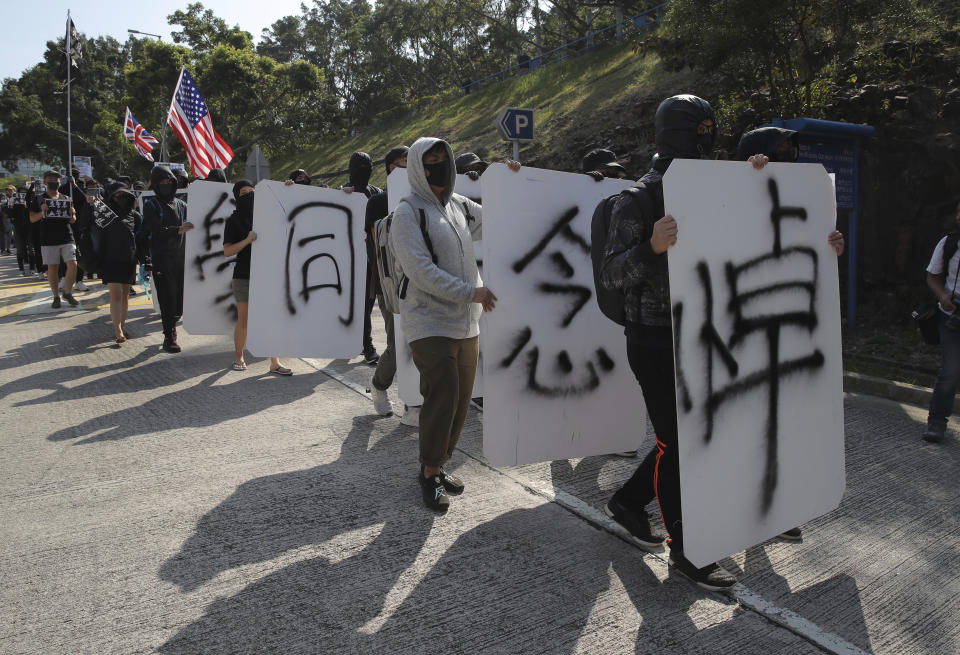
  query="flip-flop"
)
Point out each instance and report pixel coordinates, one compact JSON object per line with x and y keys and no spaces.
{"x":239,"y":366}
{"x":281,"y":371}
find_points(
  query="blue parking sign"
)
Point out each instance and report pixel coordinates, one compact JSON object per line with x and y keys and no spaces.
{"x":515,"y":124}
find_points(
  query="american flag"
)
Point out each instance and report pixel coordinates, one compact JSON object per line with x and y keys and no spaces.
{"x":136,"y":133}
{"x":190,"y":119}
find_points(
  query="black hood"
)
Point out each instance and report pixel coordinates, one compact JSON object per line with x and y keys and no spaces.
{"x":158,"y":175}
{"x":764,"y":141}
{"x":217,"y":175}
{"x":676,"y":125}
{"x":360,"y":168}
{"x":111,"y":189}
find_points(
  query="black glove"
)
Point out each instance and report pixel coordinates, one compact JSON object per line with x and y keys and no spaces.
{"x":473,"y":175}
{"x":596,"y":175}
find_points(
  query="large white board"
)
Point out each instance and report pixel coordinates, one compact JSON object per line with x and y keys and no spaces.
{"x":557,"y":381}
{"x":408,"y":377}
{"x":307,"y":272}
{"x":208,"y":306}
{"x":759,"y":364}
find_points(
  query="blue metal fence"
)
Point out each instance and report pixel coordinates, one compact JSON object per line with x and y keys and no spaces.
{"x":642,"y":22}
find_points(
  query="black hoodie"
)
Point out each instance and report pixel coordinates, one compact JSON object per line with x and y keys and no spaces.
{"x":361,"y":166}
{"x":162,"y":219}
{"x":765,"y":141}
{"x":118,"y":239}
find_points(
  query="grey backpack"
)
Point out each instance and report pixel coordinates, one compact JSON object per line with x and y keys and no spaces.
{"x":393,"y":283}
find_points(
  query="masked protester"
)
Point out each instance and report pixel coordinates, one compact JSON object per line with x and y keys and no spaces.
{"x":118,"y":252}
{"x":162,"y":240}
{"x":216,"y":175}
{"x":16,"y":207}
{"x":470,"y":164}
{"x":6,"y":221}
{"x":440,"y":307}
{"x":300,"y":176}
{"x":361,"y":167}
{"x":238,"y":237}
{"x":387,"y":363}
{"x":600,"y":163}
{"x":55,"y":212}
{"x":635,"y":262}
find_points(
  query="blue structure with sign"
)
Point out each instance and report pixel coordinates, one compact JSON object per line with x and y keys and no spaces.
{"x":836,"y":145}
{"x":516,"y":124}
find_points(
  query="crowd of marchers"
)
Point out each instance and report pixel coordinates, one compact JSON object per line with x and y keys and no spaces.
{"x":440,"y":306}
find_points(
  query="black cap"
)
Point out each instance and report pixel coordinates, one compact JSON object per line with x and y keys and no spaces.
{"x":599,"y":159}
{"x":394,"y":155}
{"x":763,"y":141}
{"x":239,"y":185}
{"x":468,"y":160}
{"x":53,"y":173}
{"x":294,"y":174}
{"x":216,"y":175}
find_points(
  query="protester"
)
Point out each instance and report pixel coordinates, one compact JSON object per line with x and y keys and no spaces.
{"x":471,"y":165}
{"x":55,"y":213}
{"x":440,"y":308}
{"x":118,"y":253}
{"x":377,"y":208}
{"x":17,"y":211}
{"x":164,"y":224}
{"x":217,"y":175}
{"x":78,"y":194}
{"x":759,"y":147}
{"x":600,"y":163}
{"x":6,"y":222}
{"x":361,"y":167}
{"x":299,"y":176}
{"x":942,"y":273}
{"x":635,"y":262}
{"x":238,"y":235}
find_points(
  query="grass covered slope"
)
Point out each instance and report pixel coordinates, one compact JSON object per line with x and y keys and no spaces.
{"x":574,"y":101}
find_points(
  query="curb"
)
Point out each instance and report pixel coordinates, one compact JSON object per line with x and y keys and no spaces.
{"x":900,"y":392}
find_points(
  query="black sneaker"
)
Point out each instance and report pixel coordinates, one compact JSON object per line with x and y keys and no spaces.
{"x":793,"y":534}
{"x":70,"y":299}
{"x":434,"y":495}
{"x":934,"y":433}
{"x":451,"y":483}
{"x":711,"y":577}
{"x":370,"y":355}
{"x":636,"y":522}
{"x":170,"y":345}
{"x":56,"y":302}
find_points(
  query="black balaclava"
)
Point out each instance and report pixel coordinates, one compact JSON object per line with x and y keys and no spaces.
{"x":165,"y":192}
{"x":360,"y":168}
{"x":217,"y":175}
{"x":394,"y":155}
{"x":182,"y":180}
{"x":119,"y":198}
{"x":767,"y":141}
{"x":676,"y":123}
{"x":244,"y":202}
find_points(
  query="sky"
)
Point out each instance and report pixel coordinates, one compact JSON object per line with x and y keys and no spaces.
{"x":22,"y":47}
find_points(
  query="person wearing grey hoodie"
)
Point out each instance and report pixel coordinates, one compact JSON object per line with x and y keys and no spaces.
{"x":440,"y":306}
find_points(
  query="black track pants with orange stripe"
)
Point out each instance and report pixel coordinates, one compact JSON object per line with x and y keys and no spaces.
{"x":651,"y":360}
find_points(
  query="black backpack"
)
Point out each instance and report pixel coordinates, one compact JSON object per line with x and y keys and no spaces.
{"x":612,"y":302}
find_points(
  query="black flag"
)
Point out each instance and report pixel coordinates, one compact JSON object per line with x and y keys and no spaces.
{"x":73,"y":38}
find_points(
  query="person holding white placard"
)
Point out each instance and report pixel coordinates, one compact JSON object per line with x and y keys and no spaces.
{"x":635,"y":262}
{"x":238,"y":236}
{"x":54,"y":212}
{"x":440,"y":305}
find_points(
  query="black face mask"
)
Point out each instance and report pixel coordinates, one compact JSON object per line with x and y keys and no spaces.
{"x":165,"y":191}
{"x":53,"y":186}
{"x":245,"y":205}
{"x":705,"y":145}
{"x":359,"y":177}
{"x":786,"y":155}
{"x":122,"y":203}
{"x":438,"y":174}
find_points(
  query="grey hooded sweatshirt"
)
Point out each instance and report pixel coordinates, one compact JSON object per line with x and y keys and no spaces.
{"x":439,"y":297}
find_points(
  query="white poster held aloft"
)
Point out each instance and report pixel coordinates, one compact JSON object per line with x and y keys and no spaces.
{"x":208,"y":306}
{"x":756,"y":310}
{"x":307,"y":272}
{"x":557,"y":380}
{"x":408,"y":377}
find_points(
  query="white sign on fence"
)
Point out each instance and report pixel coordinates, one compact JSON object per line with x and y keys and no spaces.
{"x":408,"y":377}
{"x":756,"y":304}
{"x":557,"y":381}
{"x":208,"y":306}
{"x":307,"y":272}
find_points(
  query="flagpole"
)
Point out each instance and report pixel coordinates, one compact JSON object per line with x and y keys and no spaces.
{"x":69,"y":131}
{"x":166,"y":118}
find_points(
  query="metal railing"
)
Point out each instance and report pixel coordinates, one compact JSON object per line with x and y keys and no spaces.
{"x":643,"y":22}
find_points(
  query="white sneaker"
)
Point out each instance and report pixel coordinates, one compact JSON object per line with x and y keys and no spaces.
{"x":411,"y":417}
{"x":381,"y":402}
{"x":63,"y":283}
{"x":80,"y":286}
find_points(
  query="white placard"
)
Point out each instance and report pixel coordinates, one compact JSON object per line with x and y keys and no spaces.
{"x":759,"y":363}
{"x":408,"y":377}
{"x":307,"y":272}
{"x":208,"y":306}
{"x":556,"y":376}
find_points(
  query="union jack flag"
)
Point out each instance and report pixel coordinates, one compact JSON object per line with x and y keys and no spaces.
{"x":137,"y":135}
{"x":190,"y":119}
